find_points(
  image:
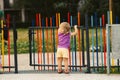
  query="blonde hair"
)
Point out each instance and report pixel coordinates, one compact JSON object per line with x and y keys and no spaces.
{"x":64,"y":27}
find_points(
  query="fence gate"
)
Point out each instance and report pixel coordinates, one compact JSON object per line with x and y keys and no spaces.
{"x":87,"y":52}
{"x":8,"y":47}
{"x":42,"y":49}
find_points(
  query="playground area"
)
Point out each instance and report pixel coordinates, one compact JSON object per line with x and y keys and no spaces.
{"x":29,"y":39}
{"x":24,"y":65}
{"x":89,"y":52}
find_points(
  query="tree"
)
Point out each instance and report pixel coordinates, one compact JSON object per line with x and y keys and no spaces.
{"x":48,"y":7}
{"x":116,"y":7}
{"x":44,"y":7}
{"x":91,"y":6}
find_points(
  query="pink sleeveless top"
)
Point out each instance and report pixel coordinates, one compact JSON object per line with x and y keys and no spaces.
{"x":63,"y":40}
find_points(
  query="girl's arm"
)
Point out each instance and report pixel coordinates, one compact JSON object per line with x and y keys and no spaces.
{"x":75,"y":32}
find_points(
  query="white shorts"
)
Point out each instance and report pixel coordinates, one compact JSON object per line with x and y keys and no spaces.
{"x":62,"y":52}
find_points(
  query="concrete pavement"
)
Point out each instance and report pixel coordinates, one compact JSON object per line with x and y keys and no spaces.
{"x":55,"y":76}
{"x":26,"y":72}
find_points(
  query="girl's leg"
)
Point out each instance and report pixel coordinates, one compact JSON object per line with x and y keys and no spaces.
{"x":59,"y":61}
{"x":66,"y":65}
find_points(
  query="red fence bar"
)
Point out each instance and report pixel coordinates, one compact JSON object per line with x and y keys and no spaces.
{"x":47,"y":42}
{"x":40,"y":43}
{"x":51,"y":41}
{"x":79,"y":47}
{"x":104,"y":39}
{"x":8,"y":25}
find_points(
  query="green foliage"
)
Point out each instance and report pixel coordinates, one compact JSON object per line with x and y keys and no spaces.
{"x":47,"y":7}
{"x":91,"y":6}
{"x":50,"y":7}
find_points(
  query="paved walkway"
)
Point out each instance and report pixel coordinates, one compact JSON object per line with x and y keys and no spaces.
{"x":26,"y":72}
{"x":55,"y":76}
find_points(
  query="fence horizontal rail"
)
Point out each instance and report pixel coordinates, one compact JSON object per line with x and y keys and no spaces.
{"x":54,"y":27}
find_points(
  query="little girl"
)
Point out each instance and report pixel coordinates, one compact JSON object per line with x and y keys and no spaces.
{"x":63,"y":45}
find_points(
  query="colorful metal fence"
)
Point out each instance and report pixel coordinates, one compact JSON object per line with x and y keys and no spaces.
{"x":6,"y":47}
{"x":87,"y":50}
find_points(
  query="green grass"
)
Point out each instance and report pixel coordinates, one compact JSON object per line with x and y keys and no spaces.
{"x":23,"y":41}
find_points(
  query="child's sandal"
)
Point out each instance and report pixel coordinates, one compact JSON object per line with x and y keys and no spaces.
{"x":60,"y":71}
{"x":66,"y":71}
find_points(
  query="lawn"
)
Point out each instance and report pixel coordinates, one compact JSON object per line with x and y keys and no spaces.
{"x":23,"y":40}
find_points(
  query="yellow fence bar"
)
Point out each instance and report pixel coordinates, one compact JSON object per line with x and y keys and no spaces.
{"x":2,"y":44}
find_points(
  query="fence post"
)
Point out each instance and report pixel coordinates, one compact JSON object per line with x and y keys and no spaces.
{"x":87,"y":43}
{"x":108,"y":48}
{"x":82,"y":44}
{"x":15,"y":45}
{"x":30,"y":44}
